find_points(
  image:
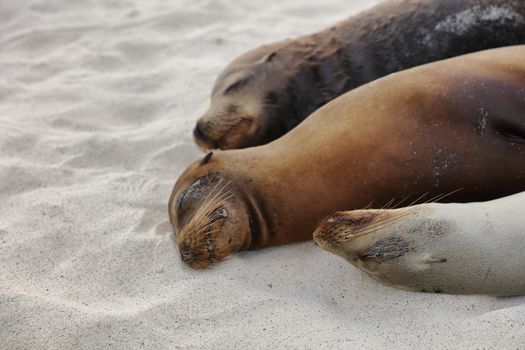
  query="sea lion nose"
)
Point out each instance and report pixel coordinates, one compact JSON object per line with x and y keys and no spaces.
{"x":198,"y":133}
{"x":323,"y":232}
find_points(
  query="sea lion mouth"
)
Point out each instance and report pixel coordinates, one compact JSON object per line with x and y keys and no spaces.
{"x":235,"y":135}
{"x":199,"y":250}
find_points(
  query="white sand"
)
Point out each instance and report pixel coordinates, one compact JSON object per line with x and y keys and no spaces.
{"x":97,"y":102}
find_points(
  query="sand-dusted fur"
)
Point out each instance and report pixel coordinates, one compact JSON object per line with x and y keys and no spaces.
{"x":474,"y":248}
{"x":413,"y":132}
{"x":196,"y":236}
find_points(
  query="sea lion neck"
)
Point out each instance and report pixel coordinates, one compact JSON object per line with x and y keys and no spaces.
{"x":318,"y":74}
{"x":249,"y":180}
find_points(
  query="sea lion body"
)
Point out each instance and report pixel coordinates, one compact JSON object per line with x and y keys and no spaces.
{"x":458,"y":123}
{"x":474,"y":248}
{"x":268,"y":91}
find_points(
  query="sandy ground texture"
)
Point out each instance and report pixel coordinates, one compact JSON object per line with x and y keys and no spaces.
{"x":97,"y":102}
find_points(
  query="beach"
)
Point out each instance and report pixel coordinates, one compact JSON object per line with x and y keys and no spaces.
{"x":97,"y":104}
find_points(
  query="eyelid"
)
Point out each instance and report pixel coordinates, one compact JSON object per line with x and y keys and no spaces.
{"x":179,"y":211}
{"x":180,"y":200}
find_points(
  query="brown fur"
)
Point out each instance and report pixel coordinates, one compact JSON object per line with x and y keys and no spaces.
{"x":410,"y":133}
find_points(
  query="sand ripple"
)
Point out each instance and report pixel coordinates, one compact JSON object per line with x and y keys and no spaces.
{"x":97,"y":102}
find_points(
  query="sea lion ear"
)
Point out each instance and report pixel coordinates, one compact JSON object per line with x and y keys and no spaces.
{"x":206,"y":158}
{"x":268,"y":57}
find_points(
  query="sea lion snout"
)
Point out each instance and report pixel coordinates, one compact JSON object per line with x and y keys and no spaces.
{"x":198,"y":134}
{"x":199,"y":248}
{"x":350,"y":234}
{"x":213,"y":230}
{"x":203,"y":134}
{"x":334,"y":232}
{"x":353,"y":219}
{"x":341,"y":225}
{"x":226,"y":128}
{"x":207,"y":215}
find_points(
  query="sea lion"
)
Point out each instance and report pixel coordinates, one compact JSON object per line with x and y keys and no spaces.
{"x":268,"y":91}
{"x":474,"y":248}
{"x":458,"y":123}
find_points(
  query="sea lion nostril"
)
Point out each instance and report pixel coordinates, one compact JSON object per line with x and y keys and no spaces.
{"x":198,"y":134}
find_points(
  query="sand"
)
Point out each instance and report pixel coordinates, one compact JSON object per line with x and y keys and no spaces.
{"x":97,"y":102}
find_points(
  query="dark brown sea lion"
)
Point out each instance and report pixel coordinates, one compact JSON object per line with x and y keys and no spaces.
{"x":268,"y":91}
{"x":458,"y":123}
{"x":473,"y":248}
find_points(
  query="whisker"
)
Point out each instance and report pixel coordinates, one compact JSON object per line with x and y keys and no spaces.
{"x":215,"y":193}
{"x":401,"y":202}
{"x":202,"y":217}
{"x":442,"y":196}
{"x":374,"y":228}
{"x":386,"y":206}
{"x":417,"y":199}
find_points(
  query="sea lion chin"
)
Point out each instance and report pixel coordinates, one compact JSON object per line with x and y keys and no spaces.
{"x":269,"y":90}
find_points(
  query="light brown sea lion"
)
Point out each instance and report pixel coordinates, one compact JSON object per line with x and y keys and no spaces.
{"x":458,"y":123}
{"x":474,"y":248}
{"x":268,"y":91}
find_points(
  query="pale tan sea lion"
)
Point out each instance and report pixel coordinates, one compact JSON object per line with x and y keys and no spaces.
{"x":458,"y":123}
{"x":474,"y":248}
{"x":268,"y":91}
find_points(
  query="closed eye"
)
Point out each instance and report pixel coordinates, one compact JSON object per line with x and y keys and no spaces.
{"x":512,"y":132}
{"x":237,"y":85}
{"x":180,"y":205}
{"x":180,"y":200}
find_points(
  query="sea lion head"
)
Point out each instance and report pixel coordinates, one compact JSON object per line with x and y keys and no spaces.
{"x":208,"y":213}
{"x":407,"y":248}
{"x":246,"y":100}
